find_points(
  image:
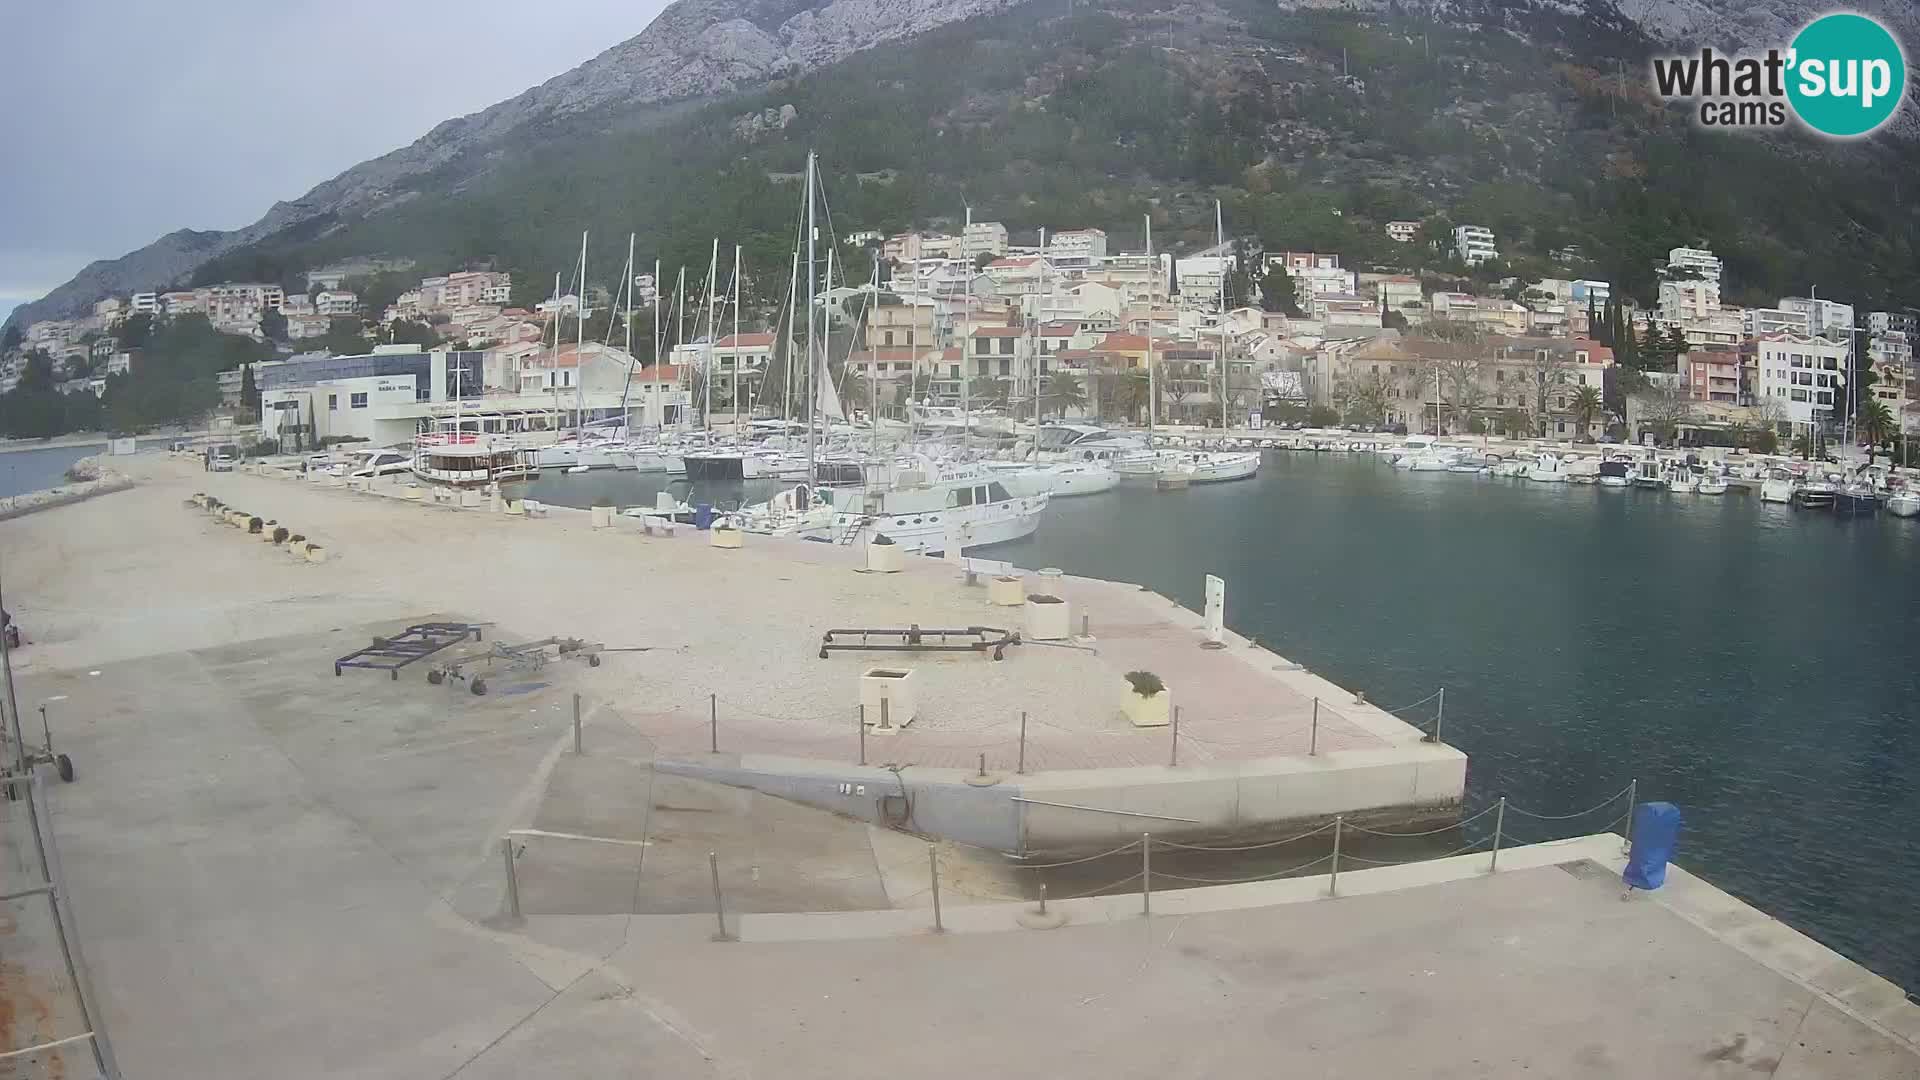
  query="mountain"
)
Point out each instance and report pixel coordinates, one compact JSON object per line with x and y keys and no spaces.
{"x":1301,"y":114}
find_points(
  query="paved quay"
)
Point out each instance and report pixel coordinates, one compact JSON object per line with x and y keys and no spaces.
{"x":276,"y":871}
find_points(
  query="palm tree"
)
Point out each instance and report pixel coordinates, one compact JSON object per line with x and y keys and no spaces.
{"x":1586,"y":402}
{"x":1063,"y":391}
{"x":1875,"y":422}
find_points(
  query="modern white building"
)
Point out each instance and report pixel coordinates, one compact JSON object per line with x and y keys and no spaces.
{"x":1584,"y":290}
{"x":1827,"y":318}
{"x":1077,"y":247}
{"x":1695,"y":260}
{"x":1762,"y":322}
{"x":336,"y":302}
{"x":1688,"y":300}
{"x":1804,"y":376}
{"x":1403,"y":232}
{"x":145,"y":303}
{"x":1474,"y":244}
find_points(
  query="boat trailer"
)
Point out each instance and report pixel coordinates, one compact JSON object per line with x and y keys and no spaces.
{"x":916,"y":639}
{"x":416,"y":642}
{"x":531,"y":656}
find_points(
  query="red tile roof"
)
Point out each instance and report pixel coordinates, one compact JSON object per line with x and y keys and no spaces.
{"x":998,"y":332}
{"x":746,"y":341}
{"x":1059,"y":329}
{"x":1124,"y":343}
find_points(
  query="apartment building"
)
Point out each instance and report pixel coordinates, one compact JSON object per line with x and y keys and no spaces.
{"x":1803,"y":376}
{"x":1475,"y":244}
{"x":1403,"y":232}
{"x":983,"y":238}
{"x":1826,"y":318}
{"x":1077,"y":247}
{"x":1764,"y":322}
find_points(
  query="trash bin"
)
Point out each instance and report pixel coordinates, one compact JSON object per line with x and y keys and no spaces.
{"x":703,"y":516}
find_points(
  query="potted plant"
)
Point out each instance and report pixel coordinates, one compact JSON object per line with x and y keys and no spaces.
{"x":1049,"y":618}
{"x":297,"y":544}
{"x":280,"y":535}
{"x":1007,"y":590}
{"x":255,"y":524}
{"x":723,"y":534}
{"x":1146,"y":700}
{"x":883,"y":555}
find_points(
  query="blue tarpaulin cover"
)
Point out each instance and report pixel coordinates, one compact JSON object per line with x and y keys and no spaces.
{"x":1656,"y":832}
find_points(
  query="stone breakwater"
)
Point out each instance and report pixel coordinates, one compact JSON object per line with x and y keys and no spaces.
{"x":87,"y":478}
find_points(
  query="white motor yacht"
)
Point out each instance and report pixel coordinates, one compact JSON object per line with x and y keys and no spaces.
{"x":1613,"y":474}
{"x":1904,"y":503}
{"x":368,"y":463}
{"x":1777,"y":487}
{"x":1058,"y":479}
{"x":1681,"y":480}
{"x":1712,"y":484}
{"x":469,"y":461}
{"x":1212,"y":467}
{"x":919,"y":512}
{"x":1547,"y":469}
{"x":1415,"y":447}
{"x":1438,"y":459}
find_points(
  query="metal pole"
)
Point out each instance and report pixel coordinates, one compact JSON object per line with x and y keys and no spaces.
{"x":1499,"y":824}
{"x":863,"y":733}
{"x":1173,"y":751}
{"x":1633,"y":799}
{"x":886,"y":721}
{"x":1022,"y":765}
{"x":1146,"y":873}
{"x":983,"y":763}
{"x":719,"y":908}
{"x":70,"y":948}
{"x":1333,"y":878}
{"x":1043,"y":898}
{"x":713,"y":723}
{"x":576,"y":724}
{"x":1439,"y":715}
{"x":1086,"y":625}
{"x":1313,"y":737}
{"x":46,"y":730}
{"x":933,"y":873}
{"x":513,"y":882}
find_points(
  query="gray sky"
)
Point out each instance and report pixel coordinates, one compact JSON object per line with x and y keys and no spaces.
{"x":122,"y":120}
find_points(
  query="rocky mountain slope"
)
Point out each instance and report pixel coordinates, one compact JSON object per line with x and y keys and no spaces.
{"x":701,"y":49}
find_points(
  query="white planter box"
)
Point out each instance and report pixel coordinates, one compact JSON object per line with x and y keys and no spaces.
{"x":884,"y":558}
{"x":316,"y":553}
{"x":1049,"y":618}
{"x":1155,"y":711}
{"x":723,"y":538}
{"x":896,"y":687}
{"x":603,"y":517}
{"x":1007,"y":591}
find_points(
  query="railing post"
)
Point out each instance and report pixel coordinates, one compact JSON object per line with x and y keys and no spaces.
{"x":576,"y":724}
{"x":863,"y":732}
{"x":1499,"y":826}
{"x":933,"y":874}
{"x":513,"y":881}
{"x":1043,"y":898}
{"x":1146,"y":873}
{"x":719,"y":907}
{"x":1439,"y":717}
{"x":886,"y":722}
{"x":1333,"y":877}
{"x":1021,"y":765}
{"x":1633,"y":800}
{"x":1313,"y":738}
{"x":713,"y":723}
{"x":1173,"y":751}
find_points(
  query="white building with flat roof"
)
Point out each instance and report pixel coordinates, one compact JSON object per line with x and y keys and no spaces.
{"x":1077,"y":247}
{"x":1688,"y":300}
{"x":1804,"y":376}
{"x":1826,"y":317}
{"x":1475,"y":244}
{"x":1696,"y":260}
{"x":1762,"y":322}
{"x":983,"y":237}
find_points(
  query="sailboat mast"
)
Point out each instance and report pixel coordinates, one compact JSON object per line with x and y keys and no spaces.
{"x":966,"y":333}
{"x":680,"y":323}
{"x":873,"y":388}
{"x":1220,"y":249}
{"x":793,"y":312}
{"x":736,"y":338}
{"x":1153,"y":275}
{"x":580,"y":342}
{"x":812,"y":377}
{"x":632,"y":361}
{"x":706,"y":382}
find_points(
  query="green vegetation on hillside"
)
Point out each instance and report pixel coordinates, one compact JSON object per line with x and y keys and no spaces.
{"x":172,"y":381}
{"x":1102,"y":117}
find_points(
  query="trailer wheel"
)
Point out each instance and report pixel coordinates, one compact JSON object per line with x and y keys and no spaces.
{"x":593,"y":660}
{"x":478,"y":686}
{"x":64,"y":764}
{"x":435,"y":677}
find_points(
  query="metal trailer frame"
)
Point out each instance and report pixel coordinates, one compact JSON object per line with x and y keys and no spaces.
{"x":914,"y":639}
{"x":416,"y":642}
{"x":529,"y":656}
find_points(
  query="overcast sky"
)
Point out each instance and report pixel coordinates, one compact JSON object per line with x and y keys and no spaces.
{"x":122,"y":120}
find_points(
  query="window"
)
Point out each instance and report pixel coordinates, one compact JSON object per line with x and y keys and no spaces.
{"x":889,"y":337}
{"x":1799,"y":395}
{"x":1006,"y":366}
{"x":953,"y":371}
{"x":1006,"y":346}
{"x":333,"y":402}
{"x":960,"y":497}
{"x":981,"y":346}
{"x":1823,"y":397}
{"x":358,"y":401}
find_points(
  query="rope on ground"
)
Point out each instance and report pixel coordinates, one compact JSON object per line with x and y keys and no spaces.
{"x":1462,"y":823}
{"x":1075,"y":862}
{"x":1245,"y":880}
{"x":1244,"y":847}
{"x":1610,"y":800}
{"x":1100,"y":890}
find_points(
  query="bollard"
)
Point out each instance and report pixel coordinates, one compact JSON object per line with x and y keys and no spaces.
{"x":1313,"y":737}
{"x":713,"y":723}
{"x":983,"y":763}
{"x":513,"y":883}
{"x":1173,"y":751}
{"x":886,"y":722}
{"x":1633,"y":799}
{"x":1333,"y":876}
{"x":1043,"y":898}
{"x":933,"y":872}
{"x":1499,"y":824}
{"x":719,"y":909}
{"x":863,"y":733}
{"x":1086,"y":625}
{"x":1146,"y":874}
{"x":576,"y":724}
{"x":1021,"y":765}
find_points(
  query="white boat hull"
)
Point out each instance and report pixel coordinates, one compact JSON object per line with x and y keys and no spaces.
{"x":995,"y":523}
{"x":1905,"y":504}
{"x":1776,"y":491}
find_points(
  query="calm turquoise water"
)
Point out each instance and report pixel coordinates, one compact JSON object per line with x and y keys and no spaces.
{"x":1753,"y":664}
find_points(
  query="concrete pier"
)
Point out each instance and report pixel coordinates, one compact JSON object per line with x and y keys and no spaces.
{"x":271,"y":864}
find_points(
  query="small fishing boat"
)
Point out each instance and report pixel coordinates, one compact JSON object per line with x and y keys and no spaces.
{"x":1613,"y":474}
{"x":1904,"y":503}
{"x":1778,"y":487}
{"x":1712,"y":484}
